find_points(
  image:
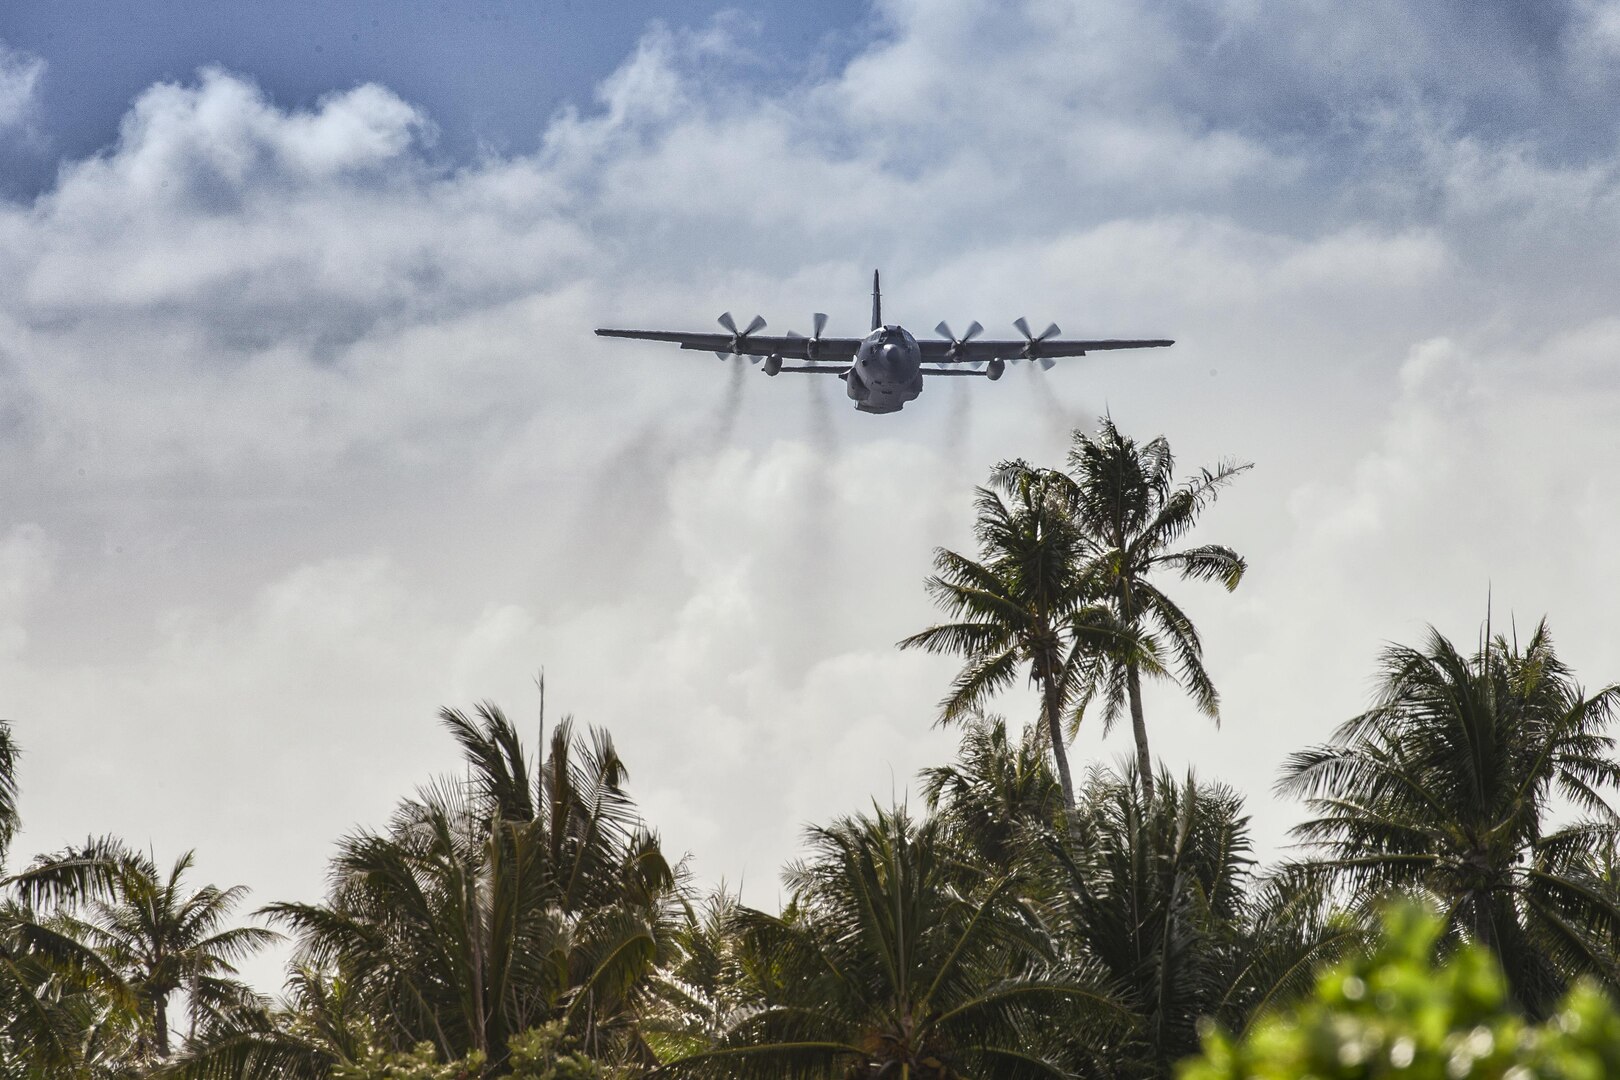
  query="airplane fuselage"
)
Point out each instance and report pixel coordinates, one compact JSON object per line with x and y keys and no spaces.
{"x":887,"y":371}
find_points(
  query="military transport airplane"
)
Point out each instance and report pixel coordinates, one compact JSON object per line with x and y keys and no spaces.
{"x":884,"y":370}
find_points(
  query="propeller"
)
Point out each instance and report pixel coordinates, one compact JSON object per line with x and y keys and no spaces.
{"x":812,"y":344}
{"x":1032,"y":345}
{"x":739,"y":336}
{"x":944,"y":331}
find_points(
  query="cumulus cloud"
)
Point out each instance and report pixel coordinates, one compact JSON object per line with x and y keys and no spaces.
{"x":306,"y":432}
{"x":20,"y":75}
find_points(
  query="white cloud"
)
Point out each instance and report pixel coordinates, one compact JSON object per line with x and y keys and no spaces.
{"x":20,"y":75}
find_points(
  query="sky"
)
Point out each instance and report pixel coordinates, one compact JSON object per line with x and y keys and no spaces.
{"x":306,"y":434}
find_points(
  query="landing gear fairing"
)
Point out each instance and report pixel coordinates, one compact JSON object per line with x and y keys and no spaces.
{"x":886,"y":368}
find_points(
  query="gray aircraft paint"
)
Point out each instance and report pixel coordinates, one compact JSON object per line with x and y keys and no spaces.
{"x":885,"y":369}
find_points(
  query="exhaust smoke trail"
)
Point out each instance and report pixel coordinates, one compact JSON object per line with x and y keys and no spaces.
{"x":725,"y":418}
{"x":1057,"y":418}
{"x":626,"y":506}
{"x":958,"y":425}
{"x":814,"y":534}
{"x":823,"y":437}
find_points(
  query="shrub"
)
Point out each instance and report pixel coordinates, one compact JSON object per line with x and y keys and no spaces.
{"x":1397,"y":1012}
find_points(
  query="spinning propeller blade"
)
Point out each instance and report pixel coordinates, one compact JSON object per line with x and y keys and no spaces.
{"x":1032,"y":344}
{"x":813,"y":342}
{"x":944,"y":331}
{"x":737,"y":336}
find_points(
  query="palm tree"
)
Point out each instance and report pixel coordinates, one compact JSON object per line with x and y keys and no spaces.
{"x":1018,"y":605}
{"x":316,"y":1027}
{"x":899,"y":958}
{"x":63,"y":1011}
{"x":518,"y":898}
{"x":1162,"y":896}
{"x":1129,"y":510}
{"x":1442,"y":788}
{"x":147,"y":927}
{"x":9,"y":818}
{"x":997,"y":792}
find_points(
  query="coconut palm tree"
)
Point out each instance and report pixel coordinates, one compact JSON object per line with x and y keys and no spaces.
{"x":1162,"y":896}
{"x":997,"y":792}
{"x":522,"y":896}
{"x":159,"y":937}
{"x":704,"y":992}
{"x":1017,"y":606}
{"x":9,"y":818}
{"x":899,"y":958}
{"x":64,"y":1010}
{"x":1130,"y":511}
{"x":1443,"y":788}
{"x":316,"y":1027}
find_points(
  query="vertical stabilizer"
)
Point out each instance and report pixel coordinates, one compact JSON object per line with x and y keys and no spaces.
{"x":877,"y":303}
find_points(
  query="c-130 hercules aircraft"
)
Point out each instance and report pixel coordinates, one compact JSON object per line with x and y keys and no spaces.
{"x":884,"y":370}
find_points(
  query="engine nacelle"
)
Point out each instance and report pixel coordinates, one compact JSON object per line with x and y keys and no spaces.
{"x":773,"y":365}
{"x":995,"y":369}
{"x":855,"y":386}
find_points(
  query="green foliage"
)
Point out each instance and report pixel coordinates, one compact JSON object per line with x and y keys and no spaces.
{"x":1396,"y":1012}
{"x":541,"y":1053}
{"x":546,"y":1053}
{"x":420,"y":1062}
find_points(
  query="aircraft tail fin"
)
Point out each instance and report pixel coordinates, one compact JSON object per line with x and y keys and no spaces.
{"x":877,"y":303}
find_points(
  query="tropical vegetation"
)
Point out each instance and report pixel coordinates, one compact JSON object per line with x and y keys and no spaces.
{"x":1396,"y":1010}
{"x":518,"y":917}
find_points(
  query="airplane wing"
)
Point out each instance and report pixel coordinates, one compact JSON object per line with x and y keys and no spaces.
{"x":828,"y":349}
{"x":980,"y":350}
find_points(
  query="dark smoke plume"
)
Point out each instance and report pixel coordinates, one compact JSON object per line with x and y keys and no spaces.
{"x":959,"y":423}
{"x":625,"y":506}
{"x":725,"y":418}
{"x":1058,"y":419}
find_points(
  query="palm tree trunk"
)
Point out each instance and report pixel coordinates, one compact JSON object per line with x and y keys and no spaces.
{"x":1052,"y":710}
{"x":1144,"y":760}
{"x":160,"y":1026}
